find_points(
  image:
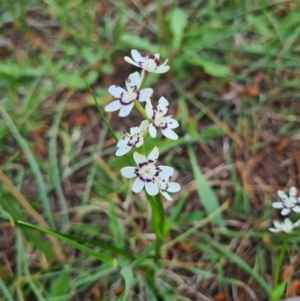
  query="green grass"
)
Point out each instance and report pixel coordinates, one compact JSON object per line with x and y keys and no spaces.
{"x":236,"y":146}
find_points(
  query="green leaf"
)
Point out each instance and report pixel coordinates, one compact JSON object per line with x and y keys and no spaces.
{"x":178,"y":23}
{"x":75,"y":81}
{"x":210,"y":67}
{"x":102,"y":257}
{"x":279,"y":290}
{"x":127,"y":274}
{"x":16,"y":71}
{"x":60,"y":287}
{"x":166,"y":144}
{"x":137,"y":42}
{"x":206,"y":194}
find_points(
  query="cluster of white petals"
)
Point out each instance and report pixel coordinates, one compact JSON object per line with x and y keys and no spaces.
{"x":155,"y":179}
{"x":147,"y":174}
{"x":288,"y":204}
{"x":135,"y":138}
{"x":124,"y":99}
{"x":285,"y":226}
{"x":148,"y":62}
{"x":160,"y":121}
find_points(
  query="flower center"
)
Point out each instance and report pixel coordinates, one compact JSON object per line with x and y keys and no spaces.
{"x":290,"y":202}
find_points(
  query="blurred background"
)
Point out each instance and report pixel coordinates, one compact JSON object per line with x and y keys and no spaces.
{"x":234,"y":87}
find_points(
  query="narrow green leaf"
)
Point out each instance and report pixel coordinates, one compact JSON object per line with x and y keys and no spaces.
{"x":165,"y":145}
{"x":102,"y":257}
{"x":237,"y":260}
{"x":127,"y":274}
{"x":60,"y":287}
{"x":137,"y":42}
{"x":178,"y":23}
{"x":210,"y":67}
{"x":75,"y":81}
{"x":206,"y":194}
{"x":5,"y":291}
{"x":279,"y":290}
{"x":34,"y":166}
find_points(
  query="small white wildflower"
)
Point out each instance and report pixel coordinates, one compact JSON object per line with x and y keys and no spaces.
{"x":135,"y":138}
{"x":166,"y":124}
{"x":147,"y":61}
{"x":146,"y":172}
{"x":124,"y":99}
{"x":286,"y":226}
{"x":288,"y":203}
{"x":166,"y":186}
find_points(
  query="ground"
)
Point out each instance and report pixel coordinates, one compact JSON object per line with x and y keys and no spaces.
{"x":233,"y":85}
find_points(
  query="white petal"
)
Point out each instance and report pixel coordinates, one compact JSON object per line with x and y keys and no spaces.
{"x":128,"y":172}
{"x":277,"y":224}
{"x":140,"y":143}
{"x":277,"y":205}
{"x":139,"y":158}
{"x":174,"y":187}
{"x":123,"y":142}
{"x":131,"y":61}
{"x":144,"y":94}
{"x":125,"y":110}
{"x":172,"y":123}
{"x":149,"y":109}
{"x":285,"y":211}
{"x":282,"y":195}
{"x":296,"y":209}
{"x":152,"y":188}
{"x":116,"y":91}
{"x":166,"y":195}
{"x":137,"y":56}
{"x":163,"y":105}
{"x":122,"y":151}
{"x":274,"y":230}
{"x":152,"y":130}
{"x":162,"y":69}
{"x":134,"y":130}
{"x":154,"y":154}
{"x":133,"y":82}
{"x":144,"y":127}
{"x":287,"y":221}
{"x":169,"y":134}
{"x":113,"y":106}
{"x":138,"y":185}
{"x":293,"y":191}
{"x":297,"y":224}
{"x":166,"y":171}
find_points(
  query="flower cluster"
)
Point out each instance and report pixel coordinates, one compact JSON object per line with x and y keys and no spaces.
{"x":154,"y":178}
{"x":288,"y":204}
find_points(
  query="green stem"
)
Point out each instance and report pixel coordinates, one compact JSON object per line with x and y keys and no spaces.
{"x":280,"y":260}
{"x":141,"y":110}
{"x":143,"y":80}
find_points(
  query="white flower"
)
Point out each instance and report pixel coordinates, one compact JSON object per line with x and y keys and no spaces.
{"x":166,"y":186}
{"x":147,"y":61}
{"x":287,"y":226}
{"x":134,"y":138}
{"x":288,"y":203}
{"x":146,"y":172}
{"x":166,"y":124}
{"x":124,"y":99}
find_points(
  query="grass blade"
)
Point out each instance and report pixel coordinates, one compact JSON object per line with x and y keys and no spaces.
{"x":127,"y":273}
{"x":102,"y":257}
{"x":33,"y":166}
{"x":206,"y":194}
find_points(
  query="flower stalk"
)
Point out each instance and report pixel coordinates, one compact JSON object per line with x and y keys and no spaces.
{"x":148,"y":174}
